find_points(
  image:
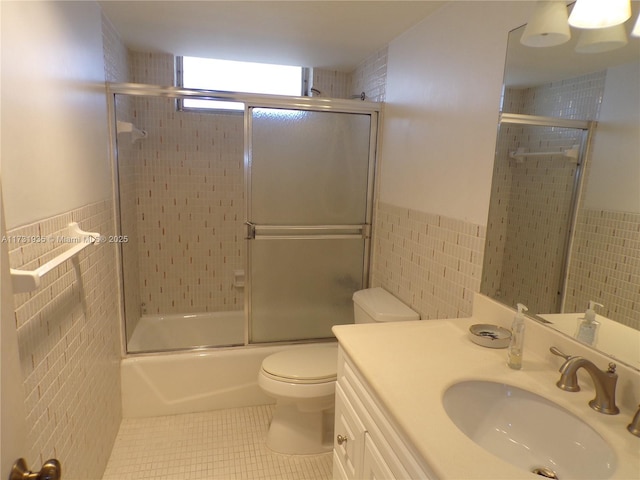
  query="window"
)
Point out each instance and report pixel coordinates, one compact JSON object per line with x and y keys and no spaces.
{"x":232,"y":76}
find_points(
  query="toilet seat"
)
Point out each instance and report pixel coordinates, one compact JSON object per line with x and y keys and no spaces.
{"x":302,"y":366}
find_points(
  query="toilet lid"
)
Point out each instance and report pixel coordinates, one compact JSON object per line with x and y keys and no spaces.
{"x":315,"y":363}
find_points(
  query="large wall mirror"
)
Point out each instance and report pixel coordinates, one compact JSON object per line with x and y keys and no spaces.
{"x":564,"y":220}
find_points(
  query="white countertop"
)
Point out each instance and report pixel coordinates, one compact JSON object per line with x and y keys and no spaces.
{"x":409,"y":366}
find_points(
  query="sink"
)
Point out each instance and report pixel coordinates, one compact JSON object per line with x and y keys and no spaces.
{"x":528,"y":431}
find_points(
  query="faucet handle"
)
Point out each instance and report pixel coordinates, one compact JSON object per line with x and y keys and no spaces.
{"x":557,"y":352}
{"x":634,"y":426}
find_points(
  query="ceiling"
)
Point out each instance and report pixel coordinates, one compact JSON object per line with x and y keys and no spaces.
{"x":325,"y":34}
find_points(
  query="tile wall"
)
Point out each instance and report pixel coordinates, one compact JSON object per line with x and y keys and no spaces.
{"x":431,"y":262}
{"x":531,"y":198}
{"x":577,"y":98}
{"x":371,"y":77}
{"x":330,"y":83}
{"x":606,"y":248}
{"x":182,"y":192}
{"x":606,"y":265}
{"x":69,"y":332}
{"x":189,"y":200}
{"x":529,"y":216}
{"x":69,"y":343}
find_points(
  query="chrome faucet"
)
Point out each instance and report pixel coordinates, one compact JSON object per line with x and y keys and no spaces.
{"x":604,"y":381}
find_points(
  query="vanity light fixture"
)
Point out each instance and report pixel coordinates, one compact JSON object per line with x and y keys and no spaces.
{"x":548,"y":26}
{"x":597,"y":40}
{"x":636,"y":29}
{"x":599,"y":13}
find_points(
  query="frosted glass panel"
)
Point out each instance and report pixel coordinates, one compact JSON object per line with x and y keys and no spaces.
{"x":301,"y":288}
{"x":308,"y":168}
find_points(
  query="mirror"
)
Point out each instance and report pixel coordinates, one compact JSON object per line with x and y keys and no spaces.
{"x":564,"y":217}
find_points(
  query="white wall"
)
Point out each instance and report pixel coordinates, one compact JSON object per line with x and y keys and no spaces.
{"x":54,"y":116}
{"x":444,"y":81}
{"x":615,"y":162}
{"x":12,"y":412}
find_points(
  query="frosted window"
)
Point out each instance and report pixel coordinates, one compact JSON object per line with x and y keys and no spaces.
{"x":232,"y":76}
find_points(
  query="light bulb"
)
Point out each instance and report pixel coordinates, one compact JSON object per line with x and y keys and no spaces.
{"x":599,"y":13}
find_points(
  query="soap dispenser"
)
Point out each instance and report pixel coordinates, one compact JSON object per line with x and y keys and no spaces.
{"x":516,"y":346}
{"x":588,"y":326}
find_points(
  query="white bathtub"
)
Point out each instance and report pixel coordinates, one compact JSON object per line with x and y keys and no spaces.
{"x":179,"y":331}
{"x":187,"y":382}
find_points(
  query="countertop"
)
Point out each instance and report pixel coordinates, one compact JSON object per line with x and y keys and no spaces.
{"x":409,"y":365}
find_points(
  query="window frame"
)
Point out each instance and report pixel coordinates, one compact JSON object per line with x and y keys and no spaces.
{"x":179,"y":69}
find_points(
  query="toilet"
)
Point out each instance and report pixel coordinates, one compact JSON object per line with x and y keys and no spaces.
{"x":302,"y":380}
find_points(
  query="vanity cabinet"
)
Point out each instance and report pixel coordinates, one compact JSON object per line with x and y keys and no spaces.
{"x":366,"y":445}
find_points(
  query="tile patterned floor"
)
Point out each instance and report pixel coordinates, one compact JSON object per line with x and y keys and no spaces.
{"x":223,"y":444}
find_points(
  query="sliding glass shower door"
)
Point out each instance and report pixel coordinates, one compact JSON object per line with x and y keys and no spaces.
{"x":309,"y":187}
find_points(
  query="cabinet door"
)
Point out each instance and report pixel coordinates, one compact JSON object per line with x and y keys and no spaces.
{"x":349,"y":442}
{"x":373,"y":466}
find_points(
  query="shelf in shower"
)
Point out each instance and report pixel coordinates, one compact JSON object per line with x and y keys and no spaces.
{"x":29,"y":280}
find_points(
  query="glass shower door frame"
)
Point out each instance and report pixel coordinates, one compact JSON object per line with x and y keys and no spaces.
{"x":301,"y":232}
{"x":258,"y":100}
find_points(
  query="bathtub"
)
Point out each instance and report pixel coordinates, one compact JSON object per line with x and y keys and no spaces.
{"x":179,"y":331}
{"x":195,"y":381}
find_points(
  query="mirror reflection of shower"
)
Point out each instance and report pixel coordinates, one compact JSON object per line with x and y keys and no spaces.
{"x":535,"y":190}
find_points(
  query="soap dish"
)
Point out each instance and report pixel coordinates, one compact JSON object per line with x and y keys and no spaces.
{"x":491,"y":336}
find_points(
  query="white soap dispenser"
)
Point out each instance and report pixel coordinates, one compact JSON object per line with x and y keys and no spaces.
{"x":516,"y":346}
{"x":588,"y":326}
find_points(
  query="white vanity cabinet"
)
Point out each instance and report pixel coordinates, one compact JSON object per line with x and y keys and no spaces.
{"x":366,"y":445}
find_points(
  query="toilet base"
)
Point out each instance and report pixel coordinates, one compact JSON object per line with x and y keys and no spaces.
{"x":294,"y":432}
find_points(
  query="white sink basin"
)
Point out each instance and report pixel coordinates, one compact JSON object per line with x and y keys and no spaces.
{"x":528,"y":431}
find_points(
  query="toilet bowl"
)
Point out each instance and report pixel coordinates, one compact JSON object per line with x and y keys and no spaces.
{"x":303,"y":379}
{"x":303,"y":382}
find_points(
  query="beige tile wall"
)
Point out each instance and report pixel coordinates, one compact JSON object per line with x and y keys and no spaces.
{"x":431,"y":262}
{"x":189,"y":200}
{"x":371,"y":77}
{"x":606,"y":265}
{"x":530,"y":208}
{"x":68,"y":334}
{"x":330,"y":83}
{"x":577,"y":98}
{"x":531,"y":213}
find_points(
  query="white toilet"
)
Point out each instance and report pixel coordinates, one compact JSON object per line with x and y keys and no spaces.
{"x":302,"y":380}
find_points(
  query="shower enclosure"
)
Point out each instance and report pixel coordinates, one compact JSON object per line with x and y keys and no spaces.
{"x":240,"y":228}
{"x":538,"y":171}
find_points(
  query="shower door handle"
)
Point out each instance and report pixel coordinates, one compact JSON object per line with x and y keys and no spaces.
{"x":305,"y":232}
{"x":251,"y":231}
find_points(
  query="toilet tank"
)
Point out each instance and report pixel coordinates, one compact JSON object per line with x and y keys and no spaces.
{"x":377,"y":305}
